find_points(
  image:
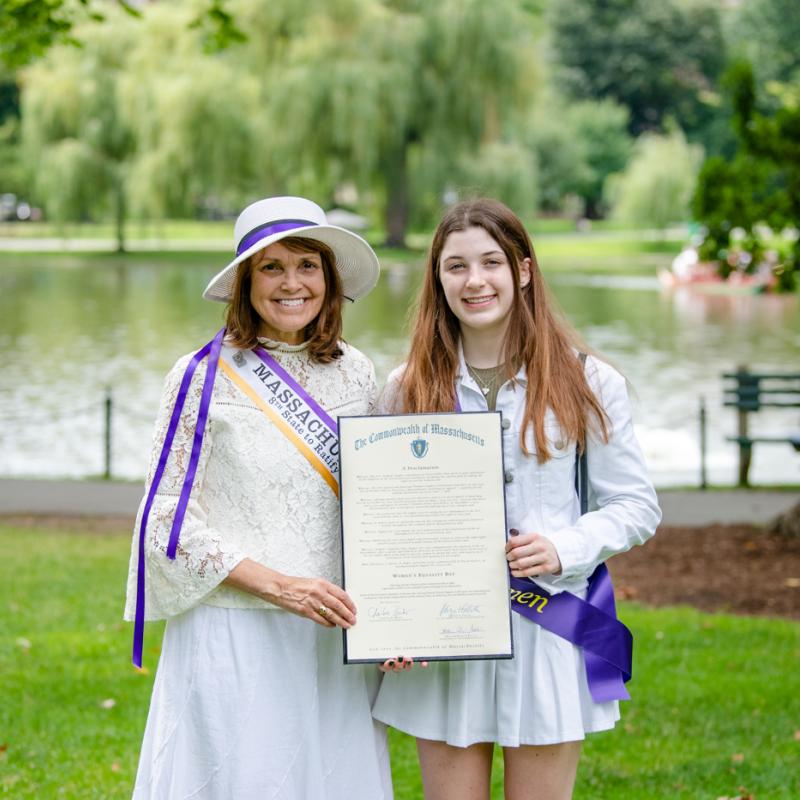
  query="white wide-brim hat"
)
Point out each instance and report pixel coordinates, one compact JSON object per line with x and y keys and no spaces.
{"x":275,"y":218}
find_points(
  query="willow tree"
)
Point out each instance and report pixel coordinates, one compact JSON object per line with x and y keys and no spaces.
{"x":657,"y":185}
{"x":369,"y":89}
{"x":196,"y":117}
{"x":139,"y":119}
{"x":76,"y":142}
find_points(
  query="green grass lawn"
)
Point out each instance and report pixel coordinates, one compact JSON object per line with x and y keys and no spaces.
{"x":604,"y":248}
{"x":716,"y":708}
{"x":556,"y":254}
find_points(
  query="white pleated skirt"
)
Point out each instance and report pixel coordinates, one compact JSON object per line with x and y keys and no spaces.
{"x":541,"y":696}
{"x":257,"y":704}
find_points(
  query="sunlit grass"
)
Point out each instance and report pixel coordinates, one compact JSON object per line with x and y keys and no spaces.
{"x":570,"y":253}
{"x":553,"y":237}
{"x":716,"y":698}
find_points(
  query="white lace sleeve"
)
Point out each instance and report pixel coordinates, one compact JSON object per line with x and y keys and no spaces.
{"x":372,"y":390}
{"x":204,"y":557}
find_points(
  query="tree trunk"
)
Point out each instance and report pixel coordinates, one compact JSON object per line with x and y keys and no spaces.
{"x":120,"y":216}
{"x":593,"y":209}
{"x":397,"y":203}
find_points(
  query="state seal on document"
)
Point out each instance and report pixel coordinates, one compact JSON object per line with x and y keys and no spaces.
{"x":419,"y":447}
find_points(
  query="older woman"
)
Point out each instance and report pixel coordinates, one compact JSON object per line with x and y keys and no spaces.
{"x":237,"y":539}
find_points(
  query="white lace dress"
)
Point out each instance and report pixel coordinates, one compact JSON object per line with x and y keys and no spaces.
{"x":250,"y":700}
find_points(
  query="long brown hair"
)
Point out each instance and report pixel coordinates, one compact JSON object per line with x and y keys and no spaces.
{"x":537,"y":337}
{"x":323,"y":333}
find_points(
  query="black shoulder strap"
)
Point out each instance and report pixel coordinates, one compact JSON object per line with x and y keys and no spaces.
{"x":581,"y":467}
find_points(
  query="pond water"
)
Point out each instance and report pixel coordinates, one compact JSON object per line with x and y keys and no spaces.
{"x":69,"y":331}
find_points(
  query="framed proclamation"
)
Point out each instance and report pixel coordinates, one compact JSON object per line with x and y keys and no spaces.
{"x":423,"y":535}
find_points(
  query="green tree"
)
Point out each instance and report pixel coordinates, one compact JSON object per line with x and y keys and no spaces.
{"x":76,"y":141}
{"x":141,"y":121}
{"x":659,"y":58}
{"x":12,"y":177}
{"x":12,"y":169}
{"x":578,"y":146}
{"x":197,"y":118}
{"x":29,"y":28}
{"x":766,"y":32}
{"x":504,"y":170}
{"x":374,"y":90}
{"x":759,"y":185}
{"x":656,"y":187}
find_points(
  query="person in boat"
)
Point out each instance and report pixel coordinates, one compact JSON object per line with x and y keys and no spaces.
{"x":237,"y":541}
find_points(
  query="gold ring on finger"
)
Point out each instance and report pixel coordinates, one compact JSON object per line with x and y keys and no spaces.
{"x":323,"y":611}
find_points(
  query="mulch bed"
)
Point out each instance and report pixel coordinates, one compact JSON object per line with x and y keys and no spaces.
{"x":740,"y":569}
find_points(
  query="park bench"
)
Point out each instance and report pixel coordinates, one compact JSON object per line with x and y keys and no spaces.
{"x":748,"y":392}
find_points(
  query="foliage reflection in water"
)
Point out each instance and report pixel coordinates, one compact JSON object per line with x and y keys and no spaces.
{"x":69,"y":330}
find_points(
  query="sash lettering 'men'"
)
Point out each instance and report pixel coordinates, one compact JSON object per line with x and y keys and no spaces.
{"x":295,"y":411}
{"x":529,"y":599}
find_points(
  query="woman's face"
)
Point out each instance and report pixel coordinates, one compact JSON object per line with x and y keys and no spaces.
{"x":287,"y":290}
{"x":478,"y":281}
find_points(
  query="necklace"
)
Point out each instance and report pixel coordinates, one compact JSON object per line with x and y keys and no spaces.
{"x":486,"y":378}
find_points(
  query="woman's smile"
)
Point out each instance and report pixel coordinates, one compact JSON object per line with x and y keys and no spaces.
{"x":480,"y":302}
{"x":287,"y":291}
{"x":296,"y":302}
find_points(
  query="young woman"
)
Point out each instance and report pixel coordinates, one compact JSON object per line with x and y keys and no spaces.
{"x":237,"y":539}
{"x":487,"y":338}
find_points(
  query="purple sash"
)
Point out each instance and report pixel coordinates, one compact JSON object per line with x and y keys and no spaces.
{"x":327,"y":420}
{"x":591,"y":624}
{"x":327,"y":443}
{"x":211,"y":350}
{"x":293,"y":411}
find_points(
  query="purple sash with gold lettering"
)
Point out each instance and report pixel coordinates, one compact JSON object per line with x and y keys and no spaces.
{"x":591,"y":624}
{"x":278,"y":395}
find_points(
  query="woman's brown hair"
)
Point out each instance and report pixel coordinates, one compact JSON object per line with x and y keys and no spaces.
{"x":537,"y":337}
{"x":323,"y":334}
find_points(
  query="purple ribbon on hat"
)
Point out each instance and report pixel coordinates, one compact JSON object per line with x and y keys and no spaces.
{"x":210,"y":350}
{"x":257,"y":234}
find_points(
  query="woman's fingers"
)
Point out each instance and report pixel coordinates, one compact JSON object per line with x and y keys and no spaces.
{"x":544,"y":562}
{"x":338,"y":611}
{"x":344,"y":598}
{"x":399,"y":664}
{"x":320,"y":601}
{"x":533,"y":548}
{"x":520,"y":540}
{"x":322,"y":616}
{"x":332,"y":611}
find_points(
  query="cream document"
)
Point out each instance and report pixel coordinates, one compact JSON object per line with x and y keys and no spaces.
{"x":423,"y":530}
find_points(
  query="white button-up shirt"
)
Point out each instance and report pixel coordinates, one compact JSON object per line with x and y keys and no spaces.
{"x":541,"y":498}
